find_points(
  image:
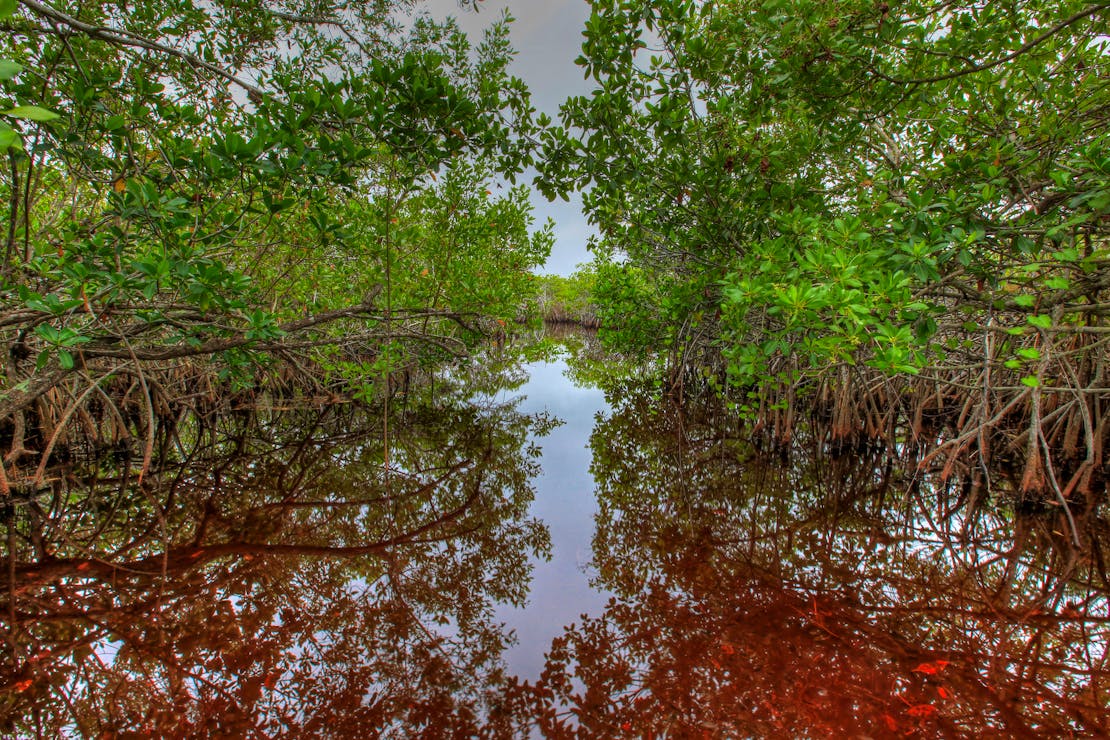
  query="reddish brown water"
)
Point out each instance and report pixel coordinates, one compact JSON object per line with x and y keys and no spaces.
{"x":272,"y":578}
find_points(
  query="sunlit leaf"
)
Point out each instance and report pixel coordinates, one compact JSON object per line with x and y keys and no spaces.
{"x":9,"y":138}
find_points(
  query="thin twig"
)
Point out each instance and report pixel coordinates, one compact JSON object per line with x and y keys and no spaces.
{"x":123,"y":37}
{"x":1002,"y":60}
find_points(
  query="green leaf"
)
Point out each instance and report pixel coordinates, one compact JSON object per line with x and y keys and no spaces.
{"x":31,"y":113}
{"x":9,"y":139}
{"x":1040,"y":320}
{"x":1032,"y":381}
{"x":9,"y":69}
{"x":7,"y":7}
{"x":65,"y":359}
{"x":1024,"y":300}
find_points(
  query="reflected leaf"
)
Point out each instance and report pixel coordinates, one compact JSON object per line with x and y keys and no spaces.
{"x":271,"y":575}
{"x":819,"y":592}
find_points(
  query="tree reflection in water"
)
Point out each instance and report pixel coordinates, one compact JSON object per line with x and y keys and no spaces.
{"x":819,"y":595}
{"x":270,"y":577}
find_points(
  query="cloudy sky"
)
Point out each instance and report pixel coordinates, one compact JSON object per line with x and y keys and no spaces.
{"x":547,"y":35}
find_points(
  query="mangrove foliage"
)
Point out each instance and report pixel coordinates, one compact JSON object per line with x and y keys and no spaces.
{"x":893,"y":214}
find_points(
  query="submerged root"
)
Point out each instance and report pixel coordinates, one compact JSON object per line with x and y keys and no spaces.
{"x":1047,"y":424}
{"x":105,"y":407}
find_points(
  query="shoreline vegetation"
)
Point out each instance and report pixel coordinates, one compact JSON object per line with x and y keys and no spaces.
{"x":979,"y":418}
{"x":893,"y":217}
{"x":567,"y":300}
{"x":896,"y":221}
{"x":197,"y":207}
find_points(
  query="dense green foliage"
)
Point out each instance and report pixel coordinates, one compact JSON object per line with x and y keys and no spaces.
{"x":569,"y":299}
{"x":245,"y":181}
{"x":797,"y":185}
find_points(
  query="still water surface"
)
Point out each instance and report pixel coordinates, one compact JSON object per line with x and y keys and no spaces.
{"x":272,"y":576}
{"x":565,"y":502}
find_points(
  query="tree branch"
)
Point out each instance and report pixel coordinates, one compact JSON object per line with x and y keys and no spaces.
{"x":123,"y":37}
{"x":178,"y":351}
{"x":1092,"y":10}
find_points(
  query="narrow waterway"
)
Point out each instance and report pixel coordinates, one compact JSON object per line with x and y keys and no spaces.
{"x":539,"y":558}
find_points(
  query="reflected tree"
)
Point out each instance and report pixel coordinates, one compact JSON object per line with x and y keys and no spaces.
{"x":817,"y":594}
{"x":276,"y":574}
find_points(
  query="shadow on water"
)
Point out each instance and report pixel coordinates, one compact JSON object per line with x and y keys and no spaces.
{"x":271,"y":576}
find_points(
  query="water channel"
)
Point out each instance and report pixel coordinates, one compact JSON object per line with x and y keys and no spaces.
{"x":520,"y":554}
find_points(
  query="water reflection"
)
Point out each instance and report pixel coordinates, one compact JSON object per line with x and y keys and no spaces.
{"x":565,"y":503}
{"x":818,"y":595}
{"x":271,"y":575}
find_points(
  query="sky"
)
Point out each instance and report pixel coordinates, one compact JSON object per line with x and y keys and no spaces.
{"x":547,"y":35}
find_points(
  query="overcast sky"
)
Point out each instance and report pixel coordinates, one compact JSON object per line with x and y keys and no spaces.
{"x":547,"y":35}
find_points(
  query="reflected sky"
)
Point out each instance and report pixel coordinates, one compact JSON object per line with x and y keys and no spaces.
{"x":565,"y":502}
